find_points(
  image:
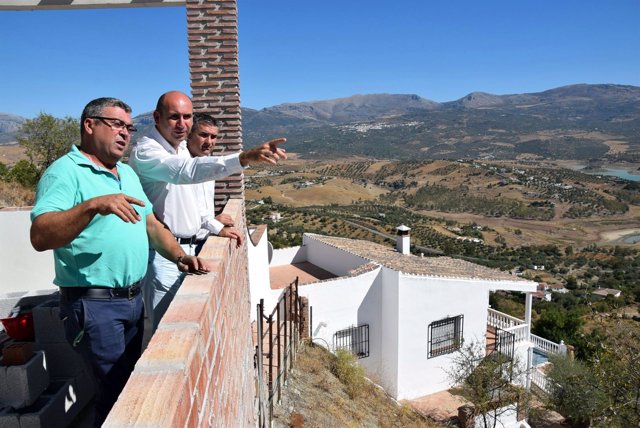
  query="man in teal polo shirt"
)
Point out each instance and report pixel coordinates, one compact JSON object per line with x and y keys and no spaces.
{"x":91,"y":210}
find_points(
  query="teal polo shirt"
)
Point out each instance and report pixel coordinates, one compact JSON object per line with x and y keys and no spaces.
{"x":109,"y":251}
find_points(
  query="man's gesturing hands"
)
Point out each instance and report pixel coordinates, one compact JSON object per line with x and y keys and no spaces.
{"x":118,"y":204}
{"x":268,"y":152}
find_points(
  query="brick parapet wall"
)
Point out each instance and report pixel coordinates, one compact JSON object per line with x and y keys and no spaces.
{"x":198,"y":367}
{"x":212,"y":30}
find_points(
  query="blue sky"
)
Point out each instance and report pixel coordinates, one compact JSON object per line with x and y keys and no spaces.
{"x":292,"y":50}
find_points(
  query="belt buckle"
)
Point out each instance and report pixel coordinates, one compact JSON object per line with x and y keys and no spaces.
{"x":133,"y":290}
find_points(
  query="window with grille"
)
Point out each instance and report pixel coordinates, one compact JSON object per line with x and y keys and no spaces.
{"x":445,"y":336}
{"x":354,"y":339}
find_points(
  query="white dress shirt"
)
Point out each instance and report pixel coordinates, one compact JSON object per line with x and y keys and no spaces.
{"x":205,"y":192}
{"x":166,"y":175}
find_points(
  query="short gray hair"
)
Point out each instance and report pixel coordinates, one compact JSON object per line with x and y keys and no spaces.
{"x":203,"y":119}
{"x":96,"y":107}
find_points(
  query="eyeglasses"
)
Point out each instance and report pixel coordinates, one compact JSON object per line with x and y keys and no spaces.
{"x":115,"y":124}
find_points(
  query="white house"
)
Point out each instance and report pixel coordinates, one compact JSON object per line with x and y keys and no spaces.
{"x":604,"y":292}
{"x":403,"y":315}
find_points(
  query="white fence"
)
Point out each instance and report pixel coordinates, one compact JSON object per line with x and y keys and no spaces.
{"x":501,"y":320}
{"x":548,"y":347}
{"x":519,"y":332}
{"x":513,"y":325}
{"x":539,"y":379}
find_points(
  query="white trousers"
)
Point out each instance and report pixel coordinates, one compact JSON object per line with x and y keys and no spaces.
{"x":161,"y":283}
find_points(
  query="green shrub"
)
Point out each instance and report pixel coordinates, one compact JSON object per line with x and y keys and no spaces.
{"x":347,"y":370}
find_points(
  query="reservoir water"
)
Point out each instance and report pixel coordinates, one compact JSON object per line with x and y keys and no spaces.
{"x":631,"y":239}
{"x":615,"y":172}
{"x":621,"y":173}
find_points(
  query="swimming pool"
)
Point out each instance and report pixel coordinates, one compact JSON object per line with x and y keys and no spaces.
{"x":539,"y":357}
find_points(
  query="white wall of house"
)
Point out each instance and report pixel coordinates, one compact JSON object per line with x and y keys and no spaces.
{"x":287,"y":256}
{"x":507,"y":417}
{"x":523,"y":358}
{"x":398,"y":309}
{"x":338,"y":304}
{"x":331,"y":259}
{"x":259,"y":284}
{"x":423,"y":300}
{"x":370,"y":312}
{"x":22,"y":267}
{"x":387,"y":372}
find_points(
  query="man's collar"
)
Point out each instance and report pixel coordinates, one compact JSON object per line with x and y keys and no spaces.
{"x":80,"y":159}
{"x":156,"y":135}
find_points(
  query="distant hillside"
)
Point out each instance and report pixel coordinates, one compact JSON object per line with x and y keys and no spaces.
{"x":9,"y":125}
{"x":357,"y":107}
{"x":571,"y":122}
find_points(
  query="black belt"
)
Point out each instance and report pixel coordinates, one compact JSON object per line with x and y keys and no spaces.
{"x":187,"y":241}
{"x":73,"y":293}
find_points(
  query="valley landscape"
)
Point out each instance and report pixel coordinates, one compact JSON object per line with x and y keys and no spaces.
{"x":533,"y":163}
{"x":545,"y":186}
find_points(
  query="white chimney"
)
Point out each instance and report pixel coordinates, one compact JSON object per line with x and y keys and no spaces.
{"x":403,"y":241}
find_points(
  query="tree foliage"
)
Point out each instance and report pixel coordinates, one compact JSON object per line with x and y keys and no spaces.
{"x":4,"y":170}
{"x":556,"y":323}
{"x":574,"y":392}
{"x":486,"y":381}
{"x":605,"y":389}
{"x":23,"y":172}
{"x":46,"y":138}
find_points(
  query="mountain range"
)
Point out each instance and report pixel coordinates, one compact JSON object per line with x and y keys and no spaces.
{"x":9,"y":126}
{"x":582,"y":121}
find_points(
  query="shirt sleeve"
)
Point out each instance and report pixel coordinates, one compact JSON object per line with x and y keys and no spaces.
{"x":53,"y":193}
{"x":152,"y":162}
{"x":210,"y":223}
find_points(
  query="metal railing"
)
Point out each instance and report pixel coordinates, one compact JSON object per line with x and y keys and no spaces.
{"x":505,"y":343}
{"x":278,"y":336}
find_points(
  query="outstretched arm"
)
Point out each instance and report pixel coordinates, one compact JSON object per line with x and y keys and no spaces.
{"x":268,"y":152}
{"x":153,"y":162}
{"x":55,"y":229}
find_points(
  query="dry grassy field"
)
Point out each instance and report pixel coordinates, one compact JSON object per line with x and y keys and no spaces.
{"x":327,"y":189}
{"x":11,"y":153}
{"x":299,"y":183}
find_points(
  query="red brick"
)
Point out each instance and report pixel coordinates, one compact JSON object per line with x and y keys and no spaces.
{"x":170,"y":348}
{"x":151,"y":399}
{"x":189,"y":309}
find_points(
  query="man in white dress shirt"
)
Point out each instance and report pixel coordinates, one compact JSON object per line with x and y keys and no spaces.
{"x":201,"y":142}
{"x":165,"y":167}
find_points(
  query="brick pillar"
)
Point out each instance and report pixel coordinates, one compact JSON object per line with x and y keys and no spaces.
{"x":212,"y":30}
{"x":304,"y":318}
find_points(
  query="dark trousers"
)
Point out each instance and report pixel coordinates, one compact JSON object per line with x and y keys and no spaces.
{"x":108,"y":334}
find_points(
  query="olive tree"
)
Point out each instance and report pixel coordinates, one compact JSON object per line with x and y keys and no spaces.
{"x":603,"y":390}
{"x":487,"y":381}
{"x":46,"y":138}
